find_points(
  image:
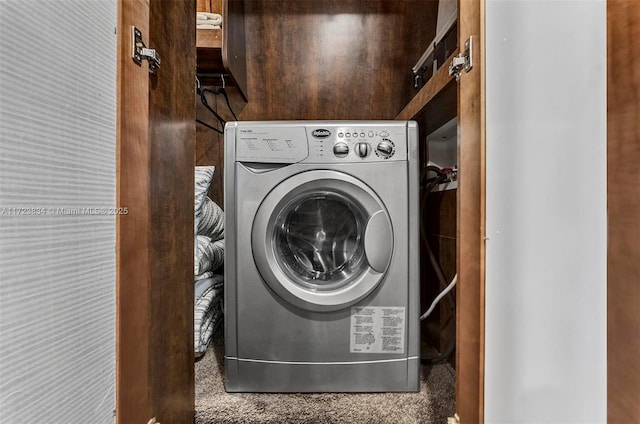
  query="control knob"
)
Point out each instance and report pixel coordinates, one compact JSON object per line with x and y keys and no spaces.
{"x":341,"y":149}
{"x":363,"y":149}
{"x":385,"y":149}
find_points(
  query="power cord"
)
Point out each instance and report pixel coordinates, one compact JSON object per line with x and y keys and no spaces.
{"x":209,"y":126}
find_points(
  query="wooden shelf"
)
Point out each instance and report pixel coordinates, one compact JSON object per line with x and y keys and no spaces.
{"x":209,"y":54}
{"x":223,"y":51}
{"x":431,"y":89}
{"x":209,"y":38}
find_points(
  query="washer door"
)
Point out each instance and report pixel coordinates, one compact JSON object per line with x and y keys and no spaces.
{"x":322,"y":240}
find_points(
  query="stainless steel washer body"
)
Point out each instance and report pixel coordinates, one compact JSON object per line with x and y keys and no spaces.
{"x":321,"y":260}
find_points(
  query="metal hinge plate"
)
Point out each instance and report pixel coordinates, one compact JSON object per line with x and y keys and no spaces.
{"x":463,"y":61}
{"x":140,"y":52}
{"x":453,"y":420}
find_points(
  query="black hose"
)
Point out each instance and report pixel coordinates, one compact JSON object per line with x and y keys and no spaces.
{"x":205,"y":102}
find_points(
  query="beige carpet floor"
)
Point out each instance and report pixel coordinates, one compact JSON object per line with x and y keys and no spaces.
{"x":433,"y":404}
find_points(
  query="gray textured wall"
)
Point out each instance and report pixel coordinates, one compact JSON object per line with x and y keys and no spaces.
{"x":57,"y":234}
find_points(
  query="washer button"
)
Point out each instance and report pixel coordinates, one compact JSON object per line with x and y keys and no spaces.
{"x":362,"y":149}
{"x":341,"y":149}
{"x":340,"y":134}
{"x":385,"y":149}
{"x":348,"y":134}
{"x":370,"y":133}
{"x":384,"y":134}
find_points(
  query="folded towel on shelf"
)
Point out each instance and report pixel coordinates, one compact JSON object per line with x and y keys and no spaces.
{"x":209,"y":18}
{"x":207,"y":26}
{"x":216,"y":17}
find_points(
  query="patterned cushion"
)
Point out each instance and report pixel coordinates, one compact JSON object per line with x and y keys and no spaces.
{"x":203,"y":177}
{"x":207,"y":315}
{"x":211,"y":222}
{"x":210,"y":254}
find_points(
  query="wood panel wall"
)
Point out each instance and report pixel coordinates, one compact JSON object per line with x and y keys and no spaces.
{"x":211,"y":6}
{"x":332,"y":59}
{"x":623,"y":208}
{"x":210,"y":144}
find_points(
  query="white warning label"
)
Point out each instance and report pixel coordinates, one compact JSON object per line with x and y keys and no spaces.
{"x":377,"y":329}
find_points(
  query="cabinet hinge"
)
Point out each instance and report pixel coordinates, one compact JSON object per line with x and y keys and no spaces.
{"x":140,"y":52}
{"x":463,"y":60}
{"x":453,"y":420}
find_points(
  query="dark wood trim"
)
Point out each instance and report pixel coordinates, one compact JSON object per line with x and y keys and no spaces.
{"x":171,"y":168}
{"x":471,"y":222}
{"x":133,"y":230}
{"x":156,"y":156}
{"x":234,"y":51}
{"x":623,"y":209}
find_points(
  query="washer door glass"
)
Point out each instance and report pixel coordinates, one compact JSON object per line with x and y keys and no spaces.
{"x":322,"y":240}
{"x":319,"y":240}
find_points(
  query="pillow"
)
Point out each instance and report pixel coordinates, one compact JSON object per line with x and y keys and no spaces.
{"x":211,"y":222}
{"x":203,"y":177}
{"x":203,"y":276}
{"x":207,"y":317}
{"x":210,"y":254}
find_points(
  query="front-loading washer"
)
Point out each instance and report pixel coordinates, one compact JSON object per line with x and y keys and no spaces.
{"x":321,"y":256}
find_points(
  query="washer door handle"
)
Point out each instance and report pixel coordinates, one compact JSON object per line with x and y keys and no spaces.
{"x":378,"y":241}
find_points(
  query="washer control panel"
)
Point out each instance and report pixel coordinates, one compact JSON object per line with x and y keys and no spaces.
{"x":356,"y":143}
{"x":322,"y":142}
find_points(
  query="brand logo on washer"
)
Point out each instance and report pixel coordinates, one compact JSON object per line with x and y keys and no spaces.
{"x":321,"y":133}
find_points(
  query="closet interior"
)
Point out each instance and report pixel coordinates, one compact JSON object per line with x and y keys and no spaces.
{"x":333,"y":60}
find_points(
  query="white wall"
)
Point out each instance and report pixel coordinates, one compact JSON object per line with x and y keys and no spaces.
{"x":57,"y":269}
{"x":546,"y":211}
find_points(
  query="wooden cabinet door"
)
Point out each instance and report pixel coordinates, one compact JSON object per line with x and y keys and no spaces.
{"x":623,"y":209}
{"x":471,"y":220}
{"x":156,"y":156}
